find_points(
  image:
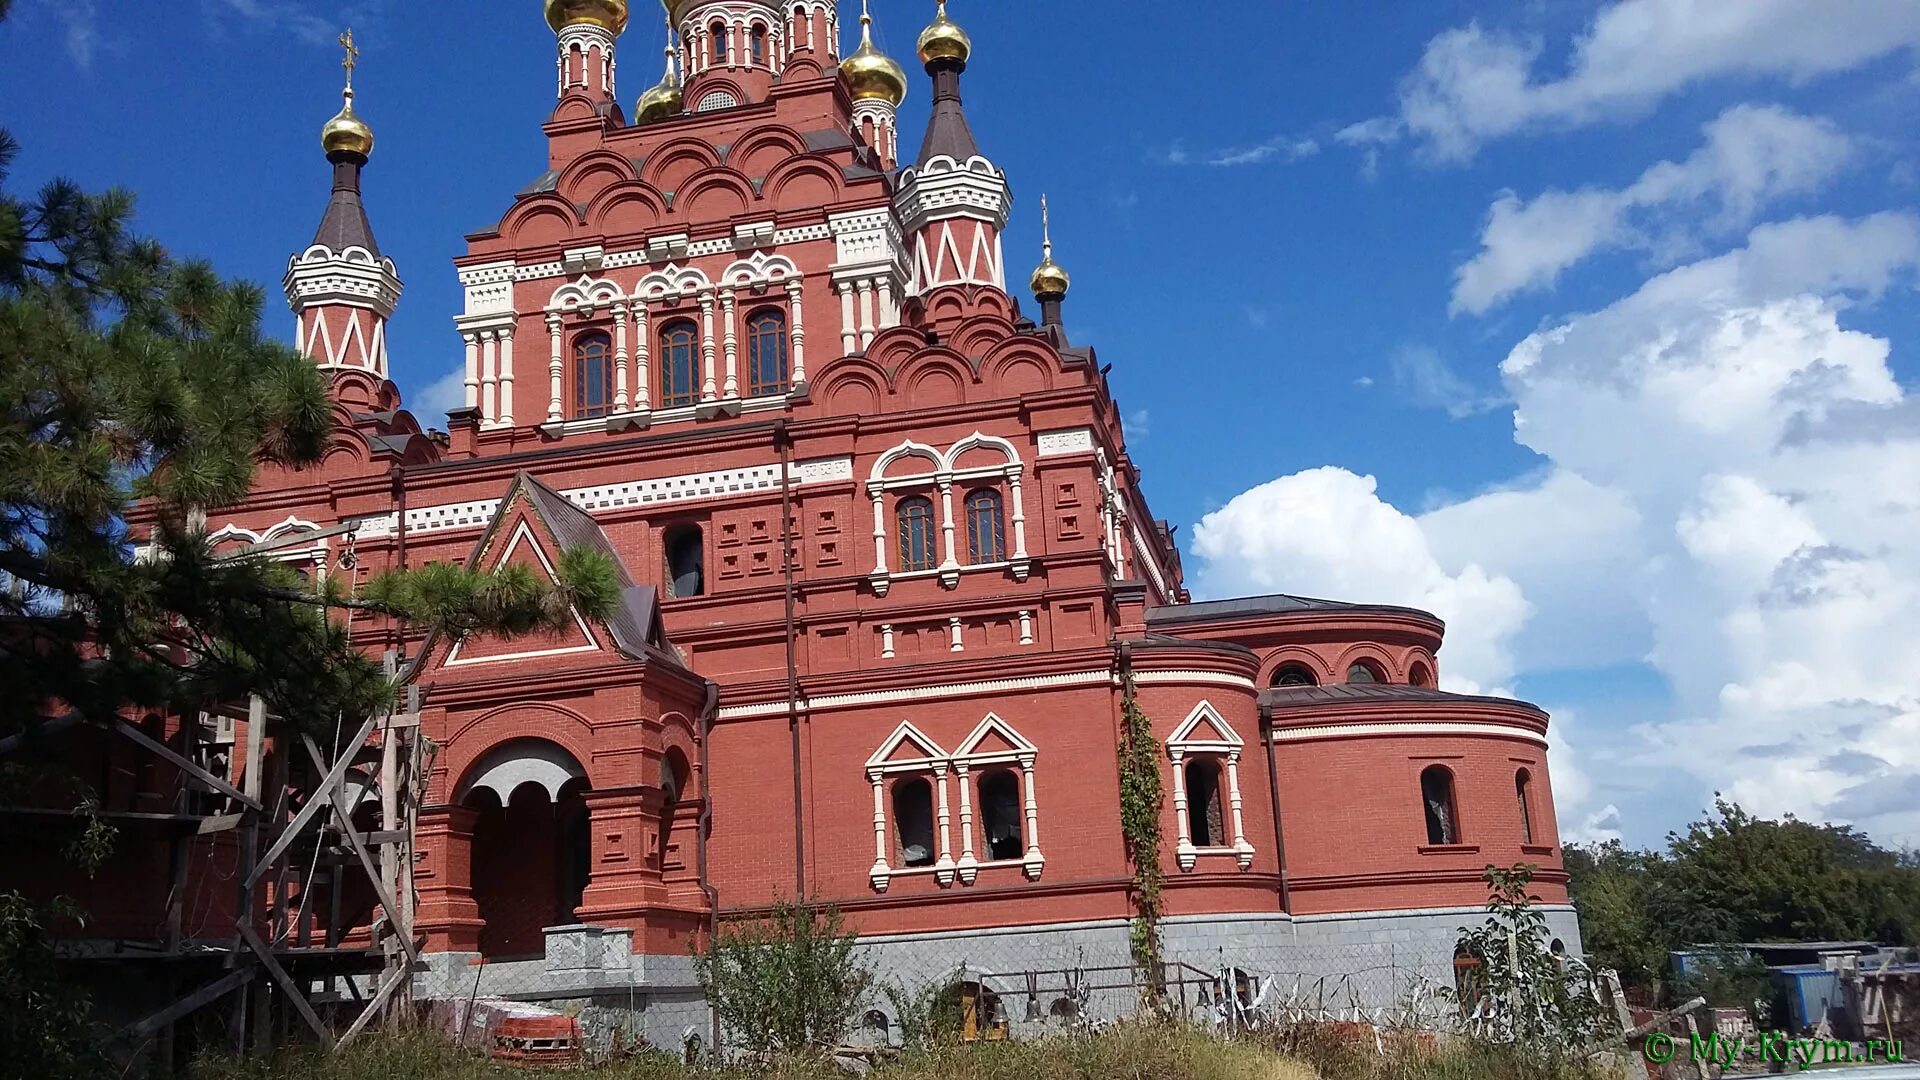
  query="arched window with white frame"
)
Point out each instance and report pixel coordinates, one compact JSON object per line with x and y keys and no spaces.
{"x":970,"y":496}
{"x":984,"y":793}
{"x":1205,"y":753}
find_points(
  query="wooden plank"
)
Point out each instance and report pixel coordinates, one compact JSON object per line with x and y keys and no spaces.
{"x":293,"y":989}
{"x":218,"y":823}
{"x":256,"y":743}
{"x":120,"y":725}
{"x":387,"y":987}
{"x":319,"y":802}
{"x":206,"y":995}
{"x":381,"y":888}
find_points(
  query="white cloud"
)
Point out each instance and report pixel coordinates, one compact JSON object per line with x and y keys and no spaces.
{"x":296,"y":17}
{"x":1752,"y":155}
{"x":1732,"y":493}
{"x":1325,"y":532}
{"x":1475,"y":85}
{"x":1138,"y":424}
{"x":442,"y":395}
{"x":1425,"y":376}
{"x":1280,"y":148}
{"x":80,"y":29}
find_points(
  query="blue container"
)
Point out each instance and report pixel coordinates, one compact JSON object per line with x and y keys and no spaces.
{"x":1813,"y":994}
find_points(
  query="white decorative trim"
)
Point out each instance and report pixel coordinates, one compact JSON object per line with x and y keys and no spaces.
{"x":1410,"y":727}
{"x":1143,"y":556}
{"x":1194,"y":678}
{"x":1182,"y":745}
{"x":686,"y":487}
{"x":825,"y":702}
{"x":1067,"y":441}
{"x":593,"y":644}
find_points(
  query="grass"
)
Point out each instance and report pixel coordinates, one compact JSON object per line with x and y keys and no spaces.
{"x":1127,"y":1052}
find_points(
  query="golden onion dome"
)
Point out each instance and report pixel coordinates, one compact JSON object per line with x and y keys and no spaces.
{"x":346,"y":133}
{"x":871,"y":74}
{"x":662,"y":100}
{"x":944,"y":40}
{"x":1050,"y":279}
{"x":609,"y":15}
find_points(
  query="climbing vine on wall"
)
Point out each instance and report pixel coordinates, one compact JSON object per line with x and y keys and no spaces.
{"x":1140,"y":809}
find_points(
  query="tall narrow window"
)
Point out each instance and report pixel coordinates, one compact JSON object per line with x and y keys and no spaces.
{"x":1436,"y":794}
{"x":757,"y":38}
{"x":1522,"y":789}
{"x":1205,"y":823}
{"x":686,"y":561}
{"x":1294,"y":675}
{"x":1363,"y":672}
{"x":913,"y":821}
{"x":592,"y":374}
{"x":767,"y":352}
{"x":719,"y":31}
{"x":1000,"y":814}
{"x":916,"y":533}
{"x":679,"y":364}
{"x":986,"y":527}
{"x":1420,"y":675}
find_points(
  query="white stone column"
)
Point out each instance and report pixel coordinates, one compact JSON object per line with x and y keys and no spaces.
{"x":956,"y":642}
{"x":1019,"y":513}
{"x":1034,"y":859}
{"x":1242,"y":850}
{"x":798,"y":376}
{"x":708,"y":385}
{"x":879,"y":530}
{"x":866,"y":313}
{"x":728,"y":329}
{"x":881,"y":871}
{"x":943,"y":869}
{"x":968,"y":863}
{"x":886,"y":641}
{"x":1183,"y":851}
{"x":946,"y":522}
{"x":889,"y":315}
{"x":1026,"y":628}
{"x":472,"y":342}
{"x":506,"y":375}
{"x":553,"y":371}
{"x":849,"y":329}
{"x":642,"y":350}
{"x":489,"y":372}
{"x":620,"y":398}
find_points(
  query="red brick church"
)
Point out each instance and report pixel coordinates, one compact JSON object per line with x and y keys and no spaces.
{"x":888,"y":563}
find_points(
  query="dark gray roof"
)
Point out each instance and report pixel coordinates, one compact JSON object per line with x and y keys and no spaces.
{"x":547,"y":182}
{"x":635,"y":622}
{"x":947,"y":130}
{"x":1168,"y":641}
{"x":826,"y":139}
{"x":345,"y":224}
{"x":1276,"y":604}
{"x":1303,"y":697}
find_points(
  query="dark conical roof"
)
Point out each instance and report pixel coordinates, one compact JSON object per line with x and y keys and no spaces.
{"x":345,"y":224}
{"x":947,"y":130}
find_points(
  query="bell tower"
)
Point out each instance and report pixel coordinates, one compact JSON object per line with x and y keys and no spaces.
{"x":953,"y":201}
{"x":341,"y":289}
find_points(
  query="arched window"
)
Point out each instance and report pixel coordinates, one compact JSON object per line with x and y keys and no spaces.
{"x":1206,"y":824}
{"x":1294,"y":674}
{"x":1000,"y":814}
{"x":767,"y":352}
{"x":1363,"y":671}
{"x":1420,"y":675}
{"x":913,"y":821}
{"x":679,"y":364}
{"x":592,"y":374}
{"x":915,"y":523}
{"x":757,"y":40}
{"x":1436,"y":795}
{"x":986,"y":527}
{"x":686,"y":561}
{"x":1523,"y":790}
{"x":719,"y":32}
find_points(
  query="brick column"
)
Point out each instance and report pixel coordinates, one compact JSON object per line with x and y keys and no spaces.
{"x":624,"y":877}
{"x":447,"y":914}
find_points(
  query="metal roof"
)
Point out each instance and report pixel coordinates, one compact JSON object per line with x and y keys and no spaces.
{"x":1275,"y":604}
{"x":1303,"y":697}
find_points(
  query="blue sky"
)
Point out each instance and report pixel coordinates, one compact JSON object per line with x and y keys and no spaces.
{"x":1590,"y":326}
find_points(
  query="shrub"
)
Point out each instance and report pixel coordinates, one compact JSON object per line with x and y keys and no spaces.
{"x":788,"y":983}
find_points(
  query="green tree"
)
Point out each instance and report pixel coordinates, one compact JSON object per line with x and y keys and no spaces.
{"x":1610,"y":885}
{"x":127,"y":378}
{"x":1521,"y":994}
{"x":788,"y":984}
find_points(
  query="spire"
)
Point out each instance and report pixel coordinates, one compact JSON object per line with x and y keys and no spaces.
{"x":665,"y":98}
{"x":1050,"y":281}
{"x":348,"y":142}
{"x":945,"y":49}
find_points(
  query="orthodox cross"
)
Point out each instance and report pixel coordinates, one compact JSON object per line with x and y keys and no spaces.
{"x":353,"y":55}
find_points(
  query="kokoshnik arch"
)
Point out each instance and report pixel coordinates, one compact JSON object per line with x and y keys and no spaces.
{"x":887,"y":560}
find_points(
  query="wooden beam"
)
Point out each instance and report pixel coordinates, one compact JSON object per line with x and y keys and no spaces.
{"x":53,"y":727}
{"x":387,"y":987}
{"x":293,"y":990}
{"x":256,"y":742}
{"x":120,"y":725}
{"x":381,"y":887}
{"x":206,"y":995}
{"x":320,"y":801}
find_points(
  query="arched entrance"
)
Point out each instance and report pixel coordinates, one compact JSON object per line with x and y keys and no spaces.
{"x":530,"y":844}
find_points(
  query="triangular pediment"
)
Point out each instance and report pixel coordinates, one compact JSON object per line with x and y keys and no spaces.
{"x":995,"y":738}
{"x":1204,"y":728}
{"x":908,"y":745}
{"x":524,"y":542}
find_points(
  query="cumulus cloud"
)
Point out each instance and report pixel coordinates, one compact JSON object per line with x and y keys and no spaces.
{"x":1327,"y":532}
{"x":1474,"y":85}
{"x":1753,"y":155}
{"x":1732,"y":492}
{"x":441,"y":396}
